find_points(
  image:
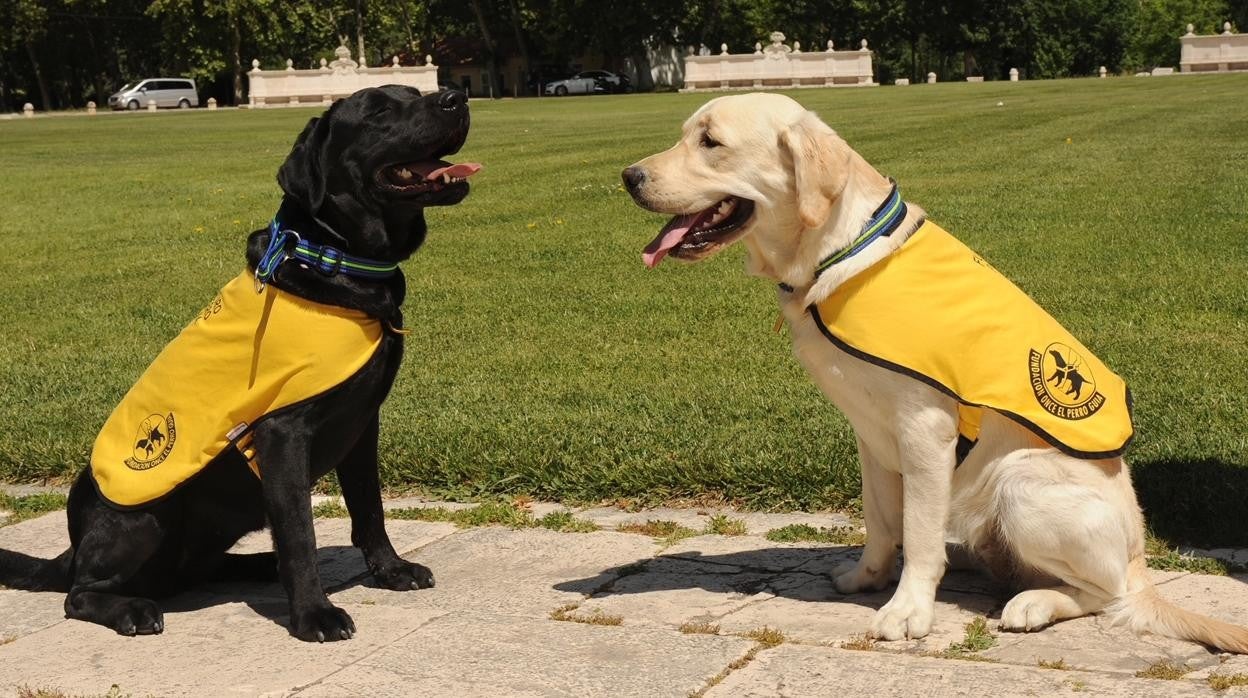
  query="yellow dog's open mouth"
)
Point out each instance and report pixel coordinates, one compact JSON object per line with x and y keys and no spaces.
{"x":693,"y":233}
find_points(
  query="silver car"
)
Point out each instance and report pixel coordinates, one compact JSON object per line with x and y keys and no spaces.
{"x":166,"y":92}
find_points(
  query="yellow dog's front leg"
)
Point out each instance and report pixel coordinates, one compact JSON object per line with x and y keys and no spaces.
{"x":926,"y":449}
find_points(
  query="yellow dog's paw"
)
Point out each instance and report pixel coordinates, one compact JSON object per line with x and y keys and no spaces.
{"x":853,"y":578}
{"x":902,"y":618}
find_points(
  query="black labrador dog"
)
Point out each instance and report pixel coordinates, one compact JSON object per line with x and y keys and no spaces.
{"x":356,"y":184}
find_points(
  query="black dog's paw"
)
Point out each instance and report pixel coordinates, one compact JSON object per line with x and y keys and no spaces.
{"x":322,"y":624}
{"x":404,"y":576}
{"x":138,"y":617}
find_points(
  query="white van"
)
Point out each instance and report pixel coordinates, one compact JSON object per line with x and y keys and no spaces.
{"x":166,"y":92}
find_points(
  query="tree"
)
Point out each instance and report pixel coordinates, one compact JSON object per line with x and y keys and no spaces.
{"x":1155,"y":37}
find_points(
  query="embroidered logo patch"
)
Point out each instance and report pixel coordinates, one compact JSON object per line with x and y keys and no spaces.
{"x":153,"y":442}
{"x":212,"y":308}
{"x":1063,"y":385}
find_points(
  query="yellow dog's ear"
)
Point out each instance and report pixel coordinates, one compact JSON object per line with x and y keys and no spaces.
{"x":820,"y":167}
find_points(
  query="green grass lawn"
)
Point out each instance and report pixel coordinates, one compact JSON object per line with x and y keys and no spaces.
{"x":547,"y":361}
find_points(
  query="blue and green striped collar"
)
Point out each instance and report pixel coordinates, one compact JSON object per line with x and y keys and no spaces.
{"x":882,"y":223}
{"x":285,"y":243}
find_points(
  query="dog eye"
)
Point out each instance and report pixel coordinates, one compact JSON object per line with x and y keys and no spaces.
{"x":708,"y":142}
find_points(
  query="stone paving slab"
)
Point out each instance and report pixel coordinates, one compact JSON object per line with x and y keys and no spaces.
{"x":671,"y":592}
{"x":812,"y":611}
{"x":753,"y":552}
{"x":474,"y":654}
{"x":527,"y":572}
{"x":337,"y":560}
{"x":221,"y":649}
{"x":793,"y":670}
{"x":486,"y":627}
{"x":26,"y":612}
{"x":46,"y":536}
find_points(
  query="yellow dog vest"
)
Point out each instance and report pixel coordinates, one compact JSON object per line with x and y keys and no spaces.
{"x":245,"y":356}
{"x":936,"y":311}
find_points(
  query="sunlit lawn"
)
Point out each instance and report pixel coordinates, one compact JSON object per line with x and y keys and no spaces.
{"x":546,"y":360}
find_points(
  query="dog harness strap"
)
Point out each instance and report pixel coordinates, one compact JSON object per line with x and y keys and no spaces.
{"x":882,"y":223}
{"x":326,"y":259}
{"x":935,"y":311}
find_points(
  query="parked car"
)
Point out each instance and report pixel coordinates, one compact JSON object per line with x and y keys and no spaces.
{"x":614,"y":82}
{"x":166,"y":92}
{"x":588,"y":82}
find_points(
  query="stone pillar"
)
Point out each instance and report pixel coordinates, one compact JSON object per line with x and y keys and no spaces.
{"x":151,"y":105}
{"x":1226,"y":29}
{"x":28,"y":110}
{"x":1013,"y":74}
{"x":1102,"y":72}
{"x":90,"y":108}
{"x":723,"y":49}
{"x":212,"y":104}
{"x":931,"y":78}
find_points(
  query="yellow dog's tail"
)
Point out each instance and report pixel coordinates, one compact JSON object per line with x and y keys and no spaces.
{"x":1143,"y":610}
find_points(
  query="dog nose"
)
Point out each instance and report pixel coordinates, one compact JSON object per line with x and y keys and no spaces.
{"x":633,"y":177}
{"x":452,"y":100}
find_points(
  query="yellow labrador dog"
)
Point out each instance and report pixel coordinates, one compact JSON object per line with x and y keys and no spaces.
{"x":978,"y":418}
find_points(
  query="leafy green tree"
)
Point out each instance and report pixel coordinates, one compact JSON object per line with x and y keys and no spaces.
{"x":1155,"y":37}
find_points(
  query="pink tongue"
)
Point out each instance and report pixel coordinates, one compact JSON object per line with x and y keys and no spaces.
{"x":459,"y":170}
{"x":668,"y":238}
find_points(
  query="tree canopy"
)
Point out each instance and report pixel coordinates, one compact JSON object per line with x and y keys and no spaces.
{"x":62,"y":53}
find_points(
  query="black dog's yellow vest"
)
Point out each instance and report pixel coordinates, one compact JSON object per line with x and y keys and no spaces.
{"x":247,"y":355}
{"x":937,"y":312}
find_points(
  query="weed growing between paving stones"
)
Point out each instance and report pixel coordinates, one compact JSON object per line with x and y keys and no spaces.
{"x":699,"y":628}
{"x":28,"y":692}
{"x":29,"y":506}
{"x":1164,"y":669}
{"x":567,"y":613}
{"x":1059,"y":664}
{"x":800,"y":533}
{"x":723,"y":525}
{"x":977,"y":639}
{"x":1221,"y":682}
{"x":766,"y":636}
{"x":861,"y":644}
{"x":668,"y":533}
{"x":486,"y":514}
{"x":565,"y":522}
{"x":732,"y":666}
{"x":331,"y":509}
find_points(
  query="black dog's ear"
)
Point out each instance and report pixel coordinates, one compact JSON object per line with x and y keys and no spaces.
{"x":300,"y":176}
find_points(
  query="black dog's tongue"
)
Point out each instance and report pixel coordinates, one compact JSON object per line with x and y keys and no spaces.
{"x":432,"y":170}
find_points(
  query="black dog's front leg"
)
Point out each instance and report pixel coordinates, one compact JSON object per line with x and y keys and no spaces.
{"x":361,"y":488}
{"x":285,"y":472}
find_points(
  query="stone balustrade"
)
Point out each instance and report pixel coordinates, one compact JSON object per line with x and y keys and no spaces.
{"x":1213,"y":53}
{"x":332,"y":80}
{"x":778,"y":65}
